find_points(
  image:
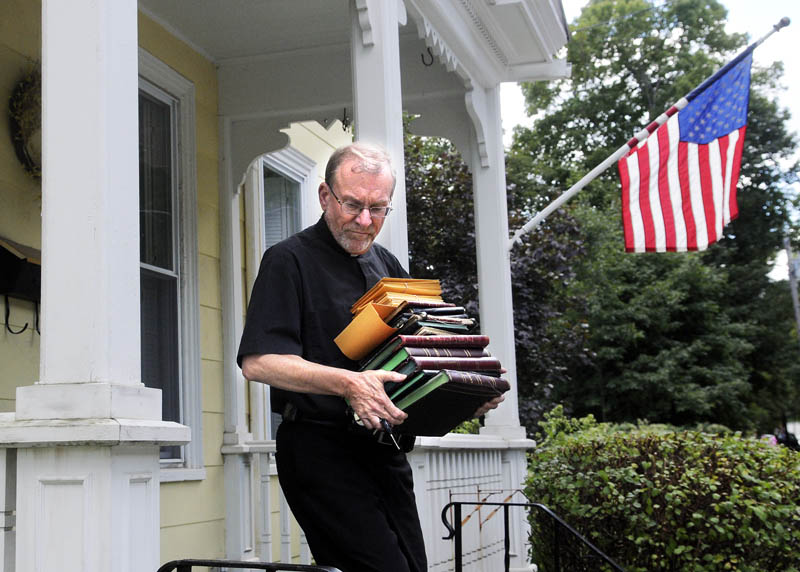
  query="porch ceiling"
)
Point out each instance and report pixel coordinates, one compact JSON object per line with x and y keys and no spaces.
{"x":230,"y":29}
{"x":493,"y":40}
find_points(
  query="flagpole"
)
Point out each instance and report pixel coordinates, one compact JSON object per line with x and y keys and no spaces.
{"x":637,"y":138}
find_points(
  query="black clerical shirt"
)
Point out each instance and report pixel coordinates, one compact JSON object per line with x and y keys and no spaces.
{"x":301,"y":301}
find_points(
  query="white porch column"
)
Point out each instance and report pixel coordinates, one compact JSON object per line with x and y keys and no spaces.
{"x":378,"y":105}
{"x":494,"y":266}
{"x":494,"y":287}
{"x":89,"y":432}
{"x":90,"y":355}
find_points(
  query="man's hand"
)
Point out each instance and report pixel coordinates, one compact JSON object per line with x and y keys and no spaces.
{"x":369,"y":400}
{"x":489,"y":405}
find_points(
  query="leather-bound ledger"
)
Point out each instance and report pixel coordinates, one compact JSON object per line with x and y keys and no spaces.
{"x":446,"y":352}
{"x":487,"y":365}
{"x":445,"y":400}
{"x":380,"y":355}
{"x":455,"y":341}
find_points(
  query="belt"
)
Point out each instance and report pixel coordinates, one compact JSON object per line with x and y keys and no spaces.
{"x":401,"y":441}
{"x":291,"y":413}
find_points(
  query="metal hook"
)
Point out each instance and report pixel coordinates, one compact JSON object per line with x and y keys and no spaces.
{"x":422,"y":57}
{"x":8,"y":312}
{"x":345,"y":120}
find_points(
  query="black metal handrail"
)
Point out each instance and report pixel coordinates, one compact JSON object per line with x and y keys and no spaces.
{"x":456,"y":532}
{"x":187,"y":564}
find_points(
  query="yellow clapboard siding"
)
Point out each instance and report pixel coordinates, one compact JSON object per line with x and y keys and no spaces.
{"x":213,"y":428}
{"x":196,"y":540}
{"x":181,"y":57}
{"x":192,"y":502}
{"x":210,"y":334}
{"x":213,"y":387}
{"x":21,"y":26}
{"x":208,"y":229}
{"x":208,"y":276}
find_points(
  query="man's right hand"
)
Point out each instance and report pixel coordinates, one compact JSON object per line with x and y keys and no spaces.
{"x":369,"y":401}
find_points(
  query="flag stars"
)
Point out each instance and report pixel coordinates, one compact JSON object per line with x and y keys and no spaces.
{"x":718,"y":110}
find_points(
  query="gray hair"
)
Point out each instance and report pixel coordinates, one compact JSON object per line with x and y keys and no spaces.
{"x":371,"y":158}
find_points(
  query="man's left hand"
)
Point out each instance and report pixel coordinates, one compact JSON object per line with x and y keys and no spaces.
{"x":489,"y":405}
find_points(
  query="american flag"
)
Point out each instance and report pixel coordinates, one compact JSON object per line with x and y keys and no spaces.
{"x":679,"y":184}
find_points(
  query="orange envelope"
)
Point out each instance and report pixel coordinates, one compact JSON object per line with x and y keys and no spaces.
{"x":365,"y":332}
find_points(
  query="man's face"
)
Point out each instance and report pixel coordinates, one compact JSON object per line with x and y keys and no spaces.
{"x":355,"y":233}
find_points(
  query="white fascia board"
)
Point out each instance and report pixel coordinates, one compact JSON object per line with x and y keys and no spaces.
{"x":557,"y":69}
{"x":544,"y":18}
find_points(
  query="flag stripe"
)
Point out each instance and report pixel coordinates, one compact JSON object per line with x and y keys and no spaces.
{"x":636,"y":229}
{"x":706,"y":190}
{"x":663,"y":188}
{"x":644,"y":197}
{"x":737,"y":164}
{"x":696,"y":194}
{"x":673,"y":180}
{"x":715,"y":177}
{"x":725,"y":171}
{"x":686,"y":196}
{"x":653,"y":196}
{"x":636,"y":213}
{"x":627,"y":225}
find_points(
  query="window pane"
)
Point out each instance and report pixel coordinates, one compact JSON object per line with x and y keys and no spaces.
{"x":159,"y":316}
{"x":281,"y":207}
{"x":155,"y":182}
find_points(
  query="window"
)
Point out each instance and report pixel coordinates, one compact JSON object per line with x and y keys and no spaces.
{"x":168,"y":257}
{"x":160,"y":271}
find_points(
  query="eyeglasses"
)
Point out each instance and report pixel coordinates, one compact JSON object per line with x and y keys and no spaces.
{"x":353,"y":209}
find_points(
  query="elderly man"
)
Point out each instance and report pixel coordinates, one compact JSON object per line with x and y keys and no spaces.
{"x":351,"y":493}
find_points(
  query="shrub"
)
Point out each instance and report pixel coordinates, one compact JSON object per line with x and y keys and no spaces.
{"x":657,"y":498}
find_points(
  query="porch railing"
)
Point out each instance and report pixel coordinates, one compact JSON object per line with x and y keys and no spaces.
{"x":559,"y":557}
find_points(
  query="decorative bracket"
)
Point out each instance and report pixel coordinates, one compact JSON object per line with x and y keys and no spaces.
{"x":365,"y":23}
{"x":475,"y":101}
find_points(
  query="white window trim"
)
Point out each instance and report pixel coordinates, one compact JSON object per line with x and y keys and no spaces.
{"x":294,"y":165}
{"x":164,"y":77}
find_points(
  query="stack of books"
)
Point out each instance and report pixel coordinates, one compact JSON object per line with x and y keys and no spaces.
{"x":403,"y":325}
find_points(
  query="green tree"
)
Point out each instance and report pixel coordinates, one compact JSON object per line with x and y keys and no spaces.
{"x":671,"y":337}
{"x":441,"y":223}
{"x":441,"y":234}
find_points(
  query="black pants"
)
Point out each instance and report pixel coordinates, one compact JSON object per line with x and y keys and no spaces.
{"x":353,"y":498}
